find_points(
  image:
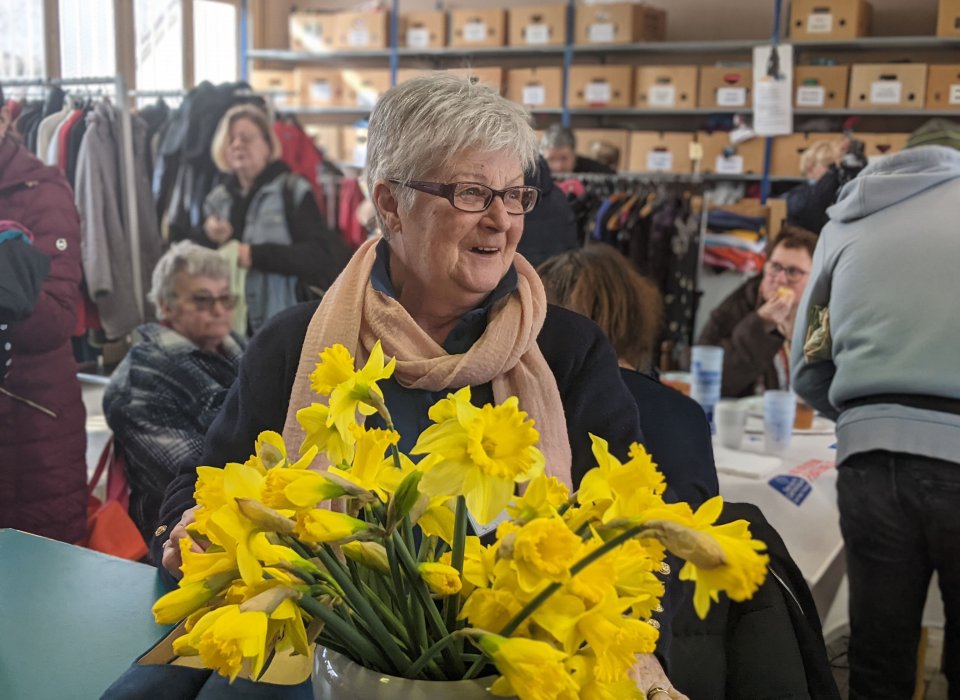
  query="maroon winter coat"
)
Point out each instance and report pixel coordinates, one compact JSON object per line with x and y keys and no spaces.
{"x":43,"y":469}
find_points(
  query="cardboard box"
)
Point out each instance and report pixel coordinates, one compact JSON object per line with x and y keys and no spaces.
{"x":720,"y":157}
{"x":948,"y":18}
{"x":281,"y":84}
{"x":787,"y":150}
{"x":820,"y":87}
{"x":327,"y":138}
{"x":312,"y":31}
{"x":888,"y":85}
{"x":490,"y":76}
{"x":619,"y":23}
{"x":356,"y":31}
{"x":877,"y":146}
{"x":727,"y":87}
{"x":536,"y":88}
{"x":405,"y":74}
{"x":478,"y":28}
{"x":666,"y":87}
{"x":538,"y":25}
{"x":600,"y":86}
{"x":319,"y":87}
{"x":618,"y":138}
{"x":363,"y":87}
{"x":660,"y":152}
{"x":943,"y":87}
{"x":422,"y":30}
{"x":820,"y":20}
{"x":354,"y":140}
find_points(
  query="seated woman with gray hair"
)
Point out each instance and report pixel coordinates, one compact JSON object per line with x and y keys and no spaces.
{"x":165,"y":394}
{"x":445,"y":292}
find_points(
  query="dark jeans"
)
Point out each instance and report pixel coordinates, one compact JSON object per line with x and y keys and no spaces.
{"x":900,"y":518}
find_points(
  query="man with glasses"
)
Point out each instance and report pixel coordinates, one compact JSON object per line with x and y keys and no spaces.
{"x":755,"y":323}
{"x":164,"y":395}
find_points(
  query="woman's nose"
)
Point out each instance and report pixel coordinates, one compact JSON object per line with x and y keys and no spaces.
{"x":497,"y":214}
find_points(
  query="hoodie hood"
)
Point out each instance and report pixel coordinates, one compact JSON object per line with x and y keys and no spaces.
{"x":540,"y":177}
{"x":894,"y":179}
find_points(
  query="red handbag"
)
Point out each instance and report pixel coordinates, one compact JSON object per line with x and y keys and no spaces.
{"x":111,"y":530}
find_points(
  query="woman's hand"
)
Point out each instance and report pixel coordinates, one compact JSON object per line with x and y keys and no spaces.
{"x":244,"y":257}
{"x":777,"y":313}
{"x":171,"y":548}
{"x":217,"y":229}
{"x":652,"y":680}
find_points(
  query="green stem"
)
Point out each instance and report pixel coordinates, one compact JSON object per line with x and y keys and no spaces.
{"x":426,"y":656}
{"x":451,"y":606}
{"x":417,"y":641}
{"x":428,"y":545}
{"x":348,"y":635}
{"x":399,"y":629}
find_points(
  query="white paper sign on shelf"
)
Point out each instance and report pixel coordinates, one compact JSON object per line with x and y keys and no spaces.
{"x":732,"y":97}
{"x":811,"y":96}
{"x":360,"y":155}
{"x":659,"y":161}
{"x":729,"y":165}
{"x":358,"y":36}
{"x":773,"y":90}
{"x":537,"y":33}
{"x":954,"y":98}
{"x":601,"y":33}
{"x":418,"y":38}
{"x":820,"y":23}
{"x":475,"y":31}
{"x":367,"y":97}
{"x":321,"y":91}
{"x":534,"y":95}
{"x":886,"y":92}
{"x":662,"y":96}
{"x":598,"y":92}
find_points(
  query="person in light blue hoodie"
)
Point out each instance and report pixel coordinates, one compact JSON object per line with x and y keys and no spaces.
{"x":886,"y":366}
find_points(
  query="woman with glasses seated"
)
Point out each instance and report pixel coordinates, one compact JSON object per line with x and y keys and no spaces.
{"x":754,"y":324}
{"x":446,"y":294}
{"x":165,"y":394}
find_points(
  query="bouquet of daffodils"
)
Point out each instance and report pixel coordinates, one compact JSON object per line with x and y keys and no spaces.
{"x":372,"y":557}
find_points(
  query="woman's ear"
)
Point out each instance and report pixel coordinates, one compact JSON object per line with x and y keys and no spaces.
{"x":386,"y":203}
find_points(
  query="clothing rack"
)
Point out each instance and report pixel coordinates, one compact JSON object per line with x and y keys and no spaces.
{"x":633,"y":178}
{"x":120,"y":94}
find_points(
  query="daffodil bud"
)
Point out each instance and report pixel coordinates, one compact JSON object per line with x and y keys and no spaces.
{"x":404,"y":499}
{"x":269,"y":600}
{"x":441,"y":579}
{"x":264,"y":517}
{"x":372,"y":555}
{"x":696,"y":547}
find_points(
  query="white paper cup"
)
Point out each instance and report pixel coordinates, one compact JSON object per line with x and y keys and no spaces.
{"x":731,"y":419}
{"x":779,"y":410}
{"x":706,"y":368}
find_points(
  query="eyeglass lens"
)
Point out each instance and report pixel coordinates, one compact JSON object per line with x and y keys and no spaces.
{"x":473,"y":197}
{"x":205,"y":302}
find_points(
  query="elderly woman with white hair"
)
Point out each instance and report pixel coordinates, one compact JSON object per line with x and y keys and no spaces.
{"x":165,"y":394}
{"x":273,"y":216}
{"x":445,"y":292}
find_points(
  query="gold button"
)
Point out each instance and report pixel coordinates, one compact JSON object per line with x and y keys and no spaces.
{"x":160,"y":530}
{"x":665,"y":568}
{"x":654,"y":624}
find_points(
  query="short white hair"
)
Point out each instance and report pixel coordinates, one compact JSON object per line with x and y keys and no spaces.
{"x":189,"y":258}
{"x":425,"y":124}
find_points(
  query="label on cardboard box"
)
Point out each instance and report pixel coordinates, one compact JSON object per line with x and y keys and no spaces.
{"x":732,"y":97}
{"x":418,"y":38}
{"x":475,"y":30}
{"x":820,"y":23}
{"x":358,"y":36}
{"x":954,"y":98}
{"x":659,"y":161}
{"x":811,"y":96}
{"x":886,"y":92}
{"x":537,"y":34}
{"x":598,"y":92}
{"x":360,"y":155}
{"x":729,"y":165}
{"x":321,"y":91}
{"x":367,"y":96}
{"x":662,"y":96}
{"x":534,"y":95}
{"x":602,"y":33}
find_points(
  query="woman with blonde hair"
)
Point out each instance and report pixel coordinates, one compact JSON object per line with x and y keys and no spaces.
{"x":272,"y":213}
{"x":820,"y":166}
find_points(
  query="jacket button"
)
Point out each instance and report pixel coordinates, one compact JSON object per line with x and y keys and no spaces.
{"x":159,"y":531}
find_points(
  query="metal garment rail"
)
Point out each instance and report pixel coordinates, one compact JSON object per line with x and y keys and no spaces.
{"x":129,"y":172}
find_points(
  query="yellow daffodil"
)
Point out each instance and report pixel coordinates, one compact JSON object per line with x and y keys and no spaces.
{"x":614,"y":639}
{"x":227,"y":639}
{"x":634,"y":565}
{"x":596,"y":581}
{"x":543,"y":496}
{"x":372,"y":555}
{"x":441,"y":579}
{"x":319,"y":525}
{"x":313,"y":488}
{"x":287,"y":622}
{"x":484,"y":452}
{"x":275,"y":484}
{"x":188,"y":598}
{"x":269,"y":451}
{"x":198,"y":566}
{"x":350,"y":391}
{"x":319,"y":432}
{"x":558,"y":616}
{"x":582,"y":667}
{"x":628,"y":488}
{"x":370,"y":468}
{"x":531,"y":669}
{"x":490,"y":609}
{"x":544,"y":550}
{"x":209,"y":495}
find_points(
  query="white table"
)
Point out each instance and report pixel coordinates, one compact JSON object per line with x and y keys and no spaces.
{"x":809,"y":522}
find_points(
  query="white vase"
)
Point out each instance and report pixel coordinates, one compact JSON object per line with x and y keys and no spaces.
{"x":335,"y":677}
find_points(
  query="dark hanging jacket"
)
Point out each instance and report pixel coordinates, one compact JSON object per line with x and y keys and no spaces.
{"x":550,"y":229}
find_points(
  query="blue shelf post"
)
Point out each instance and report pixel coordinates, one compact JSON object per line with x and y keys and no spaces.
{"x":567,"y":62}
{"x":768,"y":145}
{"x":394,"y":41}
{"x":244,"y":68}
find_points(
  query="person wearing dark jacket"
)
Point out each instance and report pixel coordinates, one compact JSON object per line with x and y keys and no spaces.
{"x":43,"y":440}
{"x":755,"y":323}
{"x":559,"y":147}
{"x":551,"y":228}
{"x":272,"y":213}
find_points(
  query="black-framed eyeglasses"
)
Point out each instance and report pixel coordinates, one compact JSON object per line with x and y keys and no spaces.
{"x":474,"y":197}
{"x":794,"y":274}
{"x":206,"y":302}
